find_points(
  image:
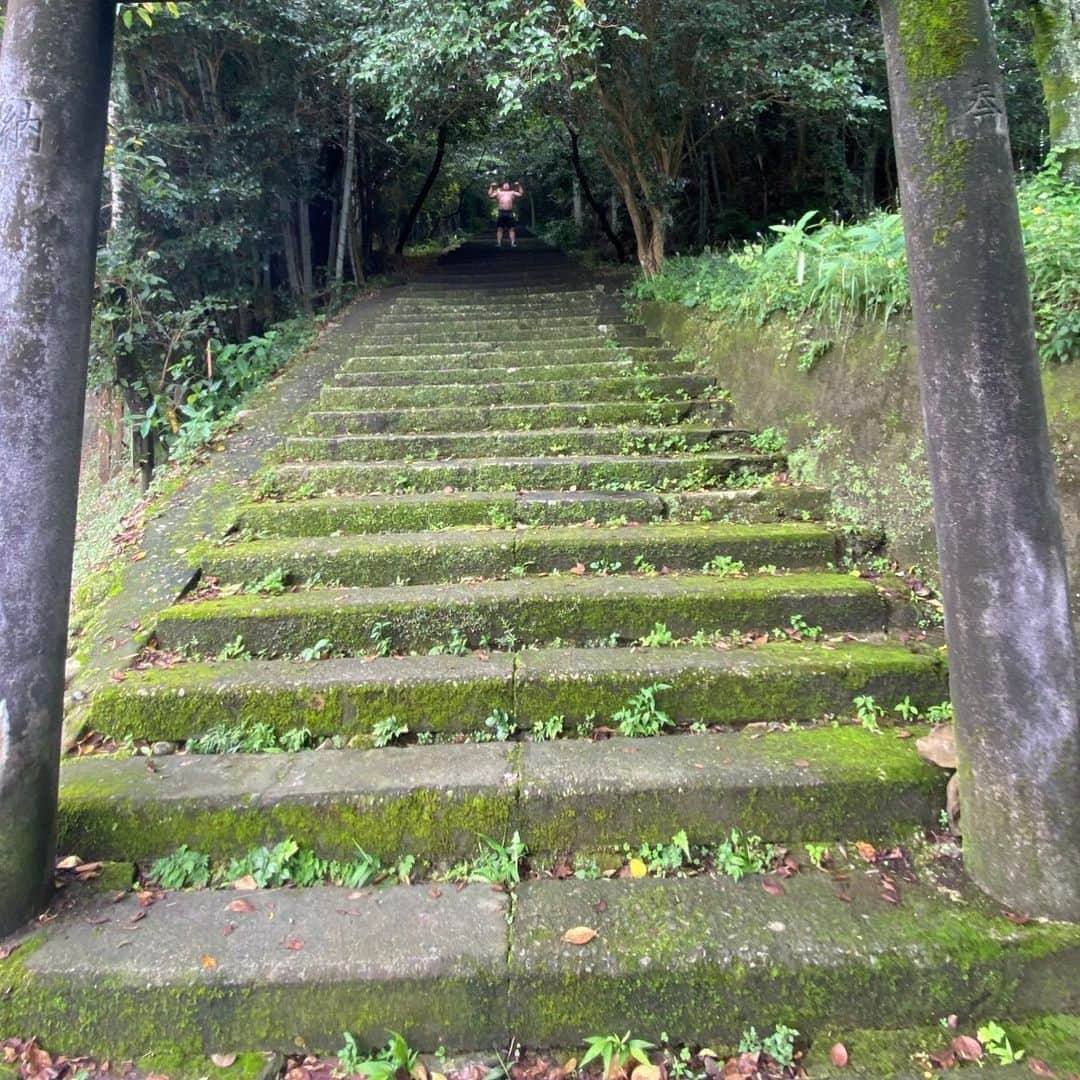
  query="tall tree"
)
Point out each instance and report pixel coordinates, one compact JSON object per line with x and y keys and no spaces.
{"x":1012,"y":658}
{"x":1056,"y":25}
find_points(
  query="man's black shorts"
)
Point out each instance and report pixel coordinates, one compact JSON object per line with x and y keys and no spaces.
{"x":506,"y":220}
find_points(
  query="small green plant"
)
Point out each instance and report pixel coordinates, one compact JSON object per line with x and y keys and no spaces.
{"x":817,"y":854}
{"x":587,"y":726}
{"x":243,"y":738}
{"x":699,"y":727}
{"x":500,"y":725}
{"x":643,"y":566}
{"x":604,"y":567}
{"x":940,"y":714}
{"x":768,"y":570}
{"x":670,"y":858}
{"x":723,"y":566}
{"x":387,"y":731}
{"x":296,"y":739}
{"x":801,"y":628}
{"x":658,"y":637}
{"x":868,"y":712}
{"x":780,"y":1045}
{"x":996,"y":1043}
{"x":381,"y":637}
{"x":494,"y":864}
{"x":615,"y":1052}
{"x":321,"y":650}
{"x":586,"y":869}
{"x":742,"y":853}
{"x":768,"y":441}
{"x":458,"y":645}
{"x":274,"y":582}
{"x":396,"y":1057}
{"x":549,"y":729}
{"x":908,"y":712}
{"x":183,"y":869}
{"x":641,"y":716}
{"x":234,"y":650}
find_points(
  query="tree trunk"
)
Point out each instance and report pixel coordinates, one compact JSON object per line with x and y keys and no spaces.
{"x":118,"y":107}
{"x":346,"y":195}
{"x":577,"y":208}
{"x":597,"y":207}
{"x":307,"y":275}
{"x":1056,"y":26}
{"x":292,"y":260}
{"x":54,"y":85}
{"x":1012,"y":659}
{"x":429,"y":182}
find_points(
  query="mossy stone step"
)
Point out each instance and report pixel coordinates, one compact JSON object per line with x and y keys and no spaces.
{"x":592,"y":472}
{"x":701,"y":959}
{"x":590,"y":321}
{"x":580,"y":330}
{"x":448,"y":695}
{"x":438,"y":510}
{"x":484,"y":354}
{"x":562,"y":797}
{"x":303,"y":967}
{"x":537,"y":443}
{"x":417,"y":558}
{"x":504,"y":417}
{"x":524,"y":390}
{"x":705,"y":959}
{"x":447,"y":373}
{"x":570,"y":609}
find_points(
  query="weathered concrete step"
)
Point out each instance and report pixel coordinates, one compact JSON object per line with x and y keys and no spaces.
{"x":436,"y":510}
{"x":399,"y":356}
{"x":431,"y":801}
{"x":784,"y":682}
{"x":537,"y":443}
{"x":705,"y":959}
{"x":523,"y":391}
{"x":443,"y":371}
{"x":447,"y":969}
{"x":638,"y":472}
{"x":392,"y":320}
{"x":493,"y":333}
{"x":419,"y":558}
{"x":701,"y":959}
{"x":503,"y":417}
{"x":571,"y":609}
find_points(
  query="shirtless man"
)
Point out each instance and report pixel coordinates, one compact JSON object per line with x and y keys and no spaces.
{"x":505,"y":197}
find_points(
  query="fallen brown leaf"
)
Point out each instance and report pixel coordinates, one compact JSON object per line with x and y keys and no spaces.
{"x":245,"y":884}
{"x":801,"y":763}
{"x":867,"y":851}
{"x":838,"y":1055}
{"x":208,"y":962}
{"x":773,"y":888}
{"x":241,"y":907}
{"x":69,"y":862}
{"x":967,"y":1048}
{"x":1039,"y":1067}
{"x":579,"y":935}
{"x":7,"y":950}
{"x":228,"y":929}
{"x":646,"y":1072}
{"x":294,"y":944}
{"x":223,"y":1061}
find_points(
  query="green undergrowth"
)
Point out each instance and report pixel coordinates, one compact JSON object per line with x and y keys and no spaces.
{"x":837,"y":272}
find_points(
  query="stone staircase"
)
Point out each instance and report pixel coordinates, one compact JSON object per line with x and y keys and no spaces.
{"x":500,"y":491}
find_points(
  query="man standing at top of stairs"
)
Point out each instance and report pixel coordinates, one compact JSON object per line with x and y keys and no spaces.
{"x":505,"y":197}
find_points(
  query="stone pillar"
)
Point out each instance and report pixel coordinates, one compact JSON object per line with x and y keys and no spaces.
{"x":1012,"y":659}
{"x":54,"y":82}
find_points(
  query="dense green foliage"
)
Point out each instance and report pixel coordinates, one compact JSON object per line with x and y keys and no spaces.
{"x":835,"y":272}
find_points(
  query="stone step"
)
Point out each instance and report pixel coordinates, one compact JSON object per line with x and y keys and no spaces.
{"x":482,"y":354}
{"x":625,"y":472}
{"x":686,"y":438}
{"x":594,"y":319}
{"x":524,"y":391}
{"x":523,"y":303}
{"x":781,"y":682}
{"x":420,"y":558}
{"x":445,"y":371}
{"x":437,"y":510}
{"x":494,"y":333}
{"x":564,"y":796}
{"x":571,"y":609}
{"x":503,"y":417}
{"x":701,"y":959}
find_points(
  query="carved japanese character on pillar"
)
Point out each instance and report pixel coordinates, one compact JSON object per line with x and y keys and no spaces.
{"x":20,"y":126}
